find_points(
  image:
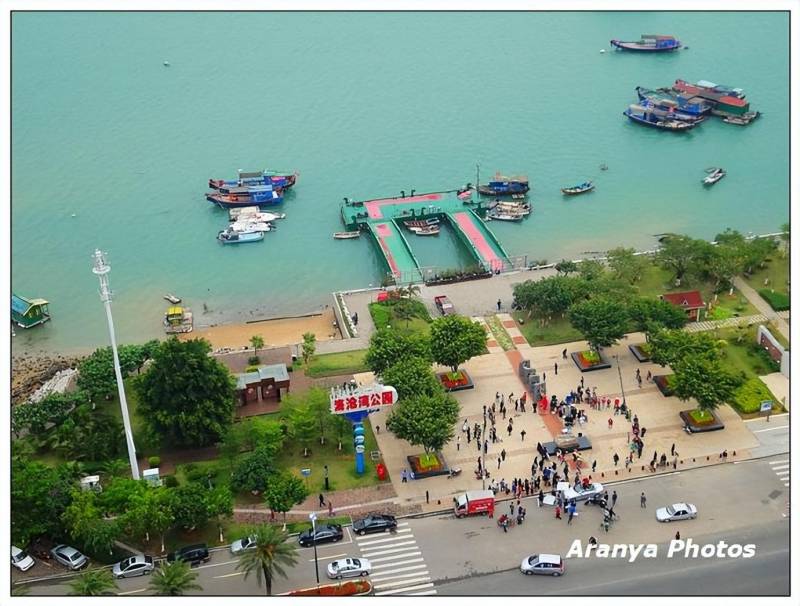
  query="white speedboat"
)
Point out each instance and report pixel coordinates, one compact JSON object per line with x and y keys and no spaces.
{"x":253,"y":213}
{"x":714,"y":175}
{"x":245,"y":226}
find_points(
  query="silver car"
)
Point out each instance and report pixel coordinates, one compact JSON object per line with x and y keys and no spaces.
{"x":677,"y":511}
{"x":580,"y":493}
{"x":20,"y":559}
{"x":543,"y":563}
{"x":244,"y":544}
{"x":69,"y":557}
{"x":349,"y":567}
{"x":133,"y":567}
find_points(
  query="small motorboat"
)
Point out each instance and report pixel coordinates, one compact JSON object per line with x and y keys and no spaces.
{"x":346,"y":235}
{"x":500,"y":215}
{"x":516,"y":208}
{"x":172,"y":299}
{"x":430,"y":230}
{"x":253,"y":213}
{"x":421,"y":223}
{"x":229,"y":236}
{"x":281,"y":179}
{"x":245,"y":225}
{"x":578,"y":189}
{"x":743,"y":120}
{"x":645,"y":116}
{"x":652,"y":43}
{"x":501,"y":185}
{"x":714,"y":175}
{"x":178,"y":320}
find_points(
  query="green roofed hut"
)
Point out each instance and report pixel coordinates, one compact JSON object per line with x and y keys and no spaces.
{"x":27,"y":313}
{"x":263,"y":388}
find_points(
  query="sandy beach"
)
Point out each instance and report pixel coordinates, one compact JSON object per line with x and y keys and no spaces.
{"x":286,"y":331}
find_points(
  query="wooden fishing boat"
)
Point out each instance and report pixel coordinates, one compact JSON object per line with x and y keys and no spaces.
{"x":229,"y":236}
{"x":421,"y":223}
{"x":714,"y":175}
{"x":262,"y":195}
{"x":501,"y":185}
{"x":650,"y":43}
{"x":496,"y":215}
{"x":578,"y":189}
{"x":520,"y":208}
{"x":254,"y":213}
{"x":172,"y":299}
{"x":263,"y":177}
{"x":742,"y":120}
{"x":430,"y":230}
{"x":643,"y":115}
{"x":346,"y":235}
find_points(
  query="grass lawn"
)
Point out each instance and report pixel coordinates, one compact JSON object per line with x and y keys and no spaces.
{"x":776,"y":270}
{"x":499,"y":332}
{"x":343,"y":363}
{"x":384,"y":314}
{"x":140,"y":433}
{"x":741,"y":357}
{"x":558,"y":330}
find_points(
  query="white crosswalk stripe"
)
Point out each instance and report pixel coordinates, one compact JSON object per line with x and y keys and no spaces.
{"x":397,"y":563}
{"x":782,"y":469}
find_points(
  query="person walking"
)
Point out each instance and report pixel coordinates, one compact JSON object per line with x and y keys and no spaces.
{"x":672,"y":450}
{"x":616,"y":459}
{"x":678,"y":536}
{"x":458,"y":443}
{"x":555,"y":367}
{"x":649,"y":376}
{"x":503,"y":454}
{"x":498,"y":462}
{"x":485,"y":446}
{"x":558,"y":512}
{"x":571,"y":511}
{"x":321,"y":500}
{"x":330,"y":508}
{"x":610,"y":422}
{"x":643,"y":501}
{"x":522,"y":434}
{"x":468,"y":435}
{"x":540,"y":497}
{"x":499,"y":304}
{"x":510,"y":428}
{"x":564,"y":354}
{"x":594,"y":465}
{"x":613,"y":499}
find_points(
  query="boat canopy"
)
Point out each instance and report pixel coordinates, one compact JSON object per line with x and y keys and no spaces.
{"x":175,"y":310}
{"x":251,"y":175}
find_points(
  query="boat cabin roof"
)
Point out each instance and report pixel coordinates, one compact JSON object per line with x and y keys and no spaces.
{"x":21,"y":305}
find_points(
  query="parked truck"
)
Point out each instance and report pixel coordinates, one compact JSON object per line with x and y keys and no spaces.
{"x":474,"y":502}
{"x":444,"y":305}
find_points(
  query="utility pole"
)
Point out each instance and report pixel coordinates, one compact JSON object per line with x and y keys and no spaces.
{"x":619,"y":371}
{"x":313,"y":517}
{"x":101,"y":270}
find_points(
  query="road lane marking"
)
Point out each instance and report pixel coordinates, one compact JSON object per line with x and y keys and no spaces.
{"x":783,"y":414}
{"x":396,"y":570}
{"x":388,"y":548}
{"x":778,"y":462}
{"x":338,"y":555}
{"x":133,"y":591}
{"x":370,"y":556}
{"x":397,"y":556}
{"x":361,"y":541}
{"x":784,"y":466}
{"x":771,"y":428}
{"x":380,"y":566}
{"x":392,"y":591}
{"x":218,"y":564}
{"x":232,"y":574}
{"x":663,"y":475}
{"x":391,"y":574}
{"x":418,"y":579}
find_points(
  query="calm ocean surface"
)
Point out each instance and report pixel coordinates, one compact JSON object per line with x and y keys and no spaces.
{"x":362,"y":105}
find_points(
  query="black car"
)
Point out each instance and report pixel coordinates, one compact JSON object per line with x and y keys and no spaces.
{"x":326,"y":533}
{"x":375,"y":522}
{"x":194,"y":554}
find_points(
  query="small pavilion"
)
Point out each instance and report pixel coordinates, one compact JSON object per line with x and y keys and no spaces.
{"x":690,"y":301}
{"x":267,"y":384}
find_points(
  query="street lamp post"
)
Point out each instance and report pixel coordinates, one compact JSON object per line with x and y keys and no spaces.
{"x":621,"y":387}
{"x":101,"y":270}
{"x":313,"y":517}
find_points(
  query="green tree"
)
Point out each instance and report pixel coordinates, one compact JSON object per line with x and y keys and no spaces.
{"x":404,"y":310}
{"x":704,"y":380}
{"x":219,"y":502}
{"x":309,"y":346}
{"x":39,"y":497}
{"x":565,"y":267}
{"x":283,"y":492}
{"x":96,"y":375}
{"x":341,"y":428}
{"x":681,"y":255}
{"x":186,"y":395}
{"x":174,"y":578}
{"x":722,"y":265}
{"x":456,"y":339}
{"x":257,"y":342}
{"x":252,"y":473}
{"x":86,"y":524}
{"x":411,"y":376}
{"x":590,"y":269}
{"x":270,"y":557}
{"x":626,"y":264}
{"x":319,"y":407}
{"x":668,"y":347}
{"x":786,"y":238}
{"x":601,"y":321}
{"x":425,"y":420}
{"x":387,"y":346}
{"x":250,"y":434}
{"x":649,"y":314}
{"x":756,"y":253}
{"x":35,"y":417}
{"x":148,"y":511}
{"x":88,"y":435}
{"x":93,"y":583}
{"x":302,"y":426}
{"x":189,"y":505}
{"x":550,"y":296}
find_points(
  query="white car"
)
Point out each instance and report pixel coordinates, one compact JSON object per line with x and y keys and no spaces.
{"x":677,"y":511}
{"x":69,"y":557}
{"x":581,"y":494}
{"x":543,"y":563}
{"x":20,"y":559}
{"x":349,"y":567}
{"x":244,"y":544}
{"x":133,"y":567}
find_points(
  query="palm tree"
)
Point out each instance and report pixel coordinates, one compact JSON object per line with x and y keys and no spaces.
{"x":174,"y":578}
{"x":256,"y":341}
{"x":93,"y":582}
{"x":269,"y":557}
{"x":115,"y":467}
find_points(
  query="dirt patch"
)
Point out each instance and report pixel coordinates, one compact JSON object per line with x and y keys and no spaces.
{"x":29,"y":373}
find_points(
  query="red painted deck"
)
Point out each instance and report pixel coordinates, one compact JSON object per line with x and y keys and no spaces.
{"x":481,"y":245}
{"x":384,"y":231}
{"x":374,"y":206}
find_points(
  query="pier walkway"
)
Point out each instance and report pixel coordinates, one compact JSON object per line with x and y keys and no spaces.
{"x":481,"y":241}
{"x":395,"y":249}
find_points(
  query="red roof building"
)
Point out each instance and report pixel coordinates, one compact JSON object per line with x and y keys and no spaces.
{"x":690,"y":301}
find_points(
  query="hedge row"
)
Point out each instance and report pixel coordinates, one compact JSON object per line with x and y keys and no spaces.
{"x":777,"y":300}
{"x":747,"y":398}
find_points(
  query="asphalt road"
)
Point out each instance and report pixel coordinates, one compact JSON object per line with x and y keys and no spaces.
{"x":742,"y":502}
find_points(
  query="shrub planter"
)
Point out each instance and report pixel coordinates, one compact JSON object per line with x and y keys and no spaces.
{"x":347,"y":588}
{"x":639,"y":353}
{"x":435,"y":281}
{"x":455,"y":381}
{"x":663,"y":384}
{"x":586,"y":361}
{"x":428,"y":466}
{"x":697,"y":421}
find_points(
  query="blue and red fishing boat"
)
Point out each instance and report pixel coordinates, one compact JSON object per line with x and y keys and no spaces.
{"x":648,"y":117}
{"x":650,"y":43}
{"x":663,"y":98}
{"x":236,"y":197}
{"x":264,"y":177}
{"x":505,"y":186}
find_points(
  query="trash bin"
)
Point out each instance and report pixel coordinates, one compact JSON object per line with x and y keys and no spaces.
{"x":381,"y":469}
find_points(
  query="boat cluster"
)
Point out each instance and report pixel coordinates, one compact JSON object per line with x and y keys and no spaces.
{"x":501,"y":186}
{"x":683,"y":106}
{"x":243,"y":197}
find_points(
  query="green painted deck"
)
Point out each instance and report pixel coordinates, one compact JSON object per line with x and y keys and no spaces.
{"x":383,"y":217}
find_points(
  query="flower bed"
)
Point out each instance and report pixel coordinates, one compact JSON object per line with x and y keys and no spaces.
{"x":640,"y":351}
{"x":698,"y":421}
{"x":427,"y":466}
{"x":587,"y":361}
{"x":748,"y":397}
{"x":348,"y":588}
{"x":455,"y":381}
{"x":664,"y":384}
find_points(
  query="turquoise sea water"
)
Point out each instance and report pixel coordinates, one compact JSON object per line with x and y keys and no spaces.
{"x":362,"y":105}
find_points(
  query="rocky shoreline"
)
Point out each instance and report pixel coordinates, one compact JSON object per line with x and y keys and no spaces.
{"x":29,"y":373}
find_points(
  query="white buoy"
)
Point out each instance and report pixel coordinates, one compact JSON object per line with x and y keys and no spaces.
{"x":602,"y":50}
{"x":166,"y":63}
{"x":74,"y":215}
